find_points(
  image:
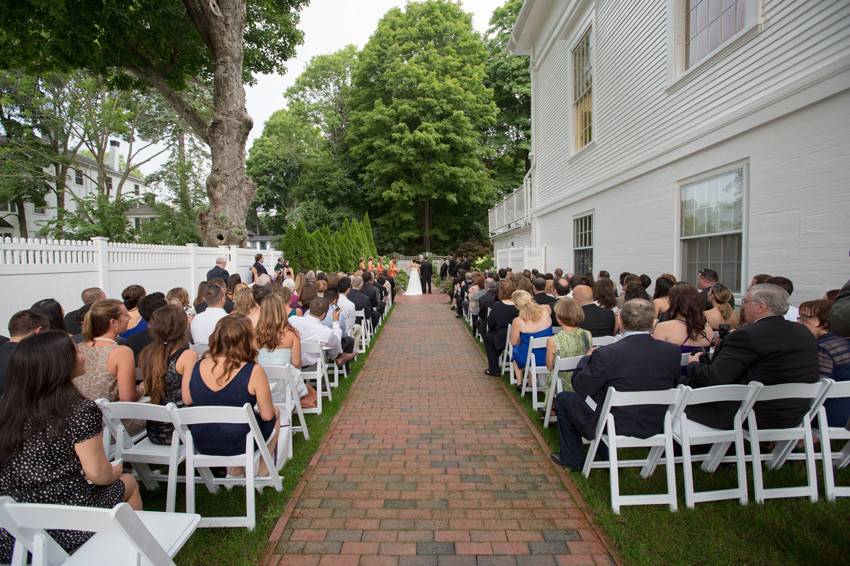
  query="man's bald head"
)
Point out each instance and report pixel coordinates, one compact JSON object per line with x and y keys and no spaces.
{"x":583,"y":294}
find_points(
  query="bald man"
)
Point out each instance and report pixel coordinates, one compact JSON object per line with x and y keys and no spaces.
{"x":597,"y":320}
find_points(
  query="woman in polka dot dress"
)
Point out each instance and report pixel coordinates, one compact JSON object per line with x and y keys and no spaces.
{"x":51,"y":449}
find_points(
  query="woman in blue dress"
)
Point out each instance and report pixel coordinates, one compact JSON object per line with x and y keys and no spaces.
{"x":534,"y":321}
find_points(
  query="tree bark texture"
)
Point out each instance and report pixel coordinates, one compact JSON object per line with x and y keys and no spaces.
{"x":221,"y":25}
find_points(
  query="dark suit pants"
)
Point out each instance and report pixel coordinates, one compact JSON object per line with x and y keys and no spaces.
{"x":426,"y":283}
{"x":493,"y":353}
{"x":575,"y":420}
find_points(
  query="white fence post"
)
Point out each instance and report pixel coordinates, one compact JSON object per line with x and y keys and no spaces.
{"x":101,"y":248}
{"x":193,"y":267}
{"x":225,"y":252}
{"x":234,"y":259}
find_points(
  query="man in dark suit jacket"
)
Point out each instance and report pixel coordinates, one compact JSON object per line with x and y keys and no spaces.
{"x":769,"y":349}
{"x":597,"y":320}
{"x":485,"y":301}
{"x":426,"y":272}
{"x":541,"y":298}
{"x":359,"y":298}
{"x":218,"y":271}
{"x":444,"y":269}
{"x":374,"y":297}
{"x":74,"y":319}
{"x":452,"y":266}
{"x":638,"y":362}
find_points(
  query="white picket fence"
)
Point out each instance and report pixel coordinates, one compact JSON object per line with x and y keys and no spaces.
{"x":32,"y":269}
{"x":520,"y":258}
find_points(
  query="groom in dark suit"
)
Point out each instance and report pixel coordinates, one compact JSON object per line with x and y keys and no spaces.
{"x":426,"y":272}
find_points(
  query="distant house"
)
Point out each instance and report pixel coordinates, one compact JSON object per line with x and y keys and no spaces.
{"x":677,"y":135}
{"x":82,"y":181}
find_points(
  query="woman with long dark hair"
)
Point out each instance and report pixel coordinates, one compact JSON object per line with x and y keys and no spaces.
{"x":661,"y":296}
{"x":686,"y":326}
{"x":53,"y":311}
{"x":51,"y":448}
{"x":165,"y":363}
{"x":132,"y":296}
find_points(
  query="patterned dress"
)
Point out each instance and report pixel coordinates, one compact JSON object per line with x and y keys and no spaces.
{"x":48,"y":470}
{"x":160,"y":433}
{"x":98,"y":382}
{"x":569,"y":343}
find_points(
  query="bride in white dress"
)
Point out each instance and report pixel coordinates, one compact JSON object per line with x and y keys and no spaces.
{"x":414,"y":285}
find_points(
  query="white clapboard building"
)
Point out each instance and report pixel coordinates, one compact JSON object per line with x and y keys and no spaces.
{"x":675,"y":135}
{"x":82,"y":182}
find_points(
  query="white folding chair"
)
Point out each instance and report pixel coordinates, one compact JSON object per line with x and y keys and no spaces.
{"x":532,"y":372}
{"x":605,"y":340}
{"x":122,"y":536}
{"x":363,"y":343}
{"x":786,"y":439}
{"x":255,"y":451}
{"x":689,"y":433}
{"x":833,"y":461}
{"x":507,"y":356}
{"x":284,"y":393}
{"x":319,"y":375}
{"x":555,"y":385}
{"x":143,"y":452}
{"x":606,"y":432}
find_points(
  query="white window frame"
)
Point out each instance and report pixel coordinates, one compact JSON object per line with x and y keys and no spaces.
{"x":678,"y":73}
{"x":744,"y":166}
{"x":592,"y":215}
{"x":8,"y":207}
{"x":79,"y":177}
{"x":573,"y":36}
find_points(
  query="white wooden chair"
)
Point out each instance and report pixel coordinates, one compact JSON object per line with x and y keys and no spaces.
{"x":532,"y":373}
{"x":319,"y":375}
{"x":833,"y":461}
{"x":285,"y":396}
{"x":363,"y":343}
{"x":689,"y":433}
{"x":555,"y":385}
{"x":605,"y":340}
{"x":122,"y":536}
{"x":507,"y":356}
{"x":143,"y":452}
{"x":255,"y":451}
{"x":606,"y":432}
{"x":786,"y":439}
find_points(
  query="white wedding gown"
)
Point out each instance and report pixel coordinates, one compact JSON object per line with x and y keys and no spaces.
{"x":414,"y":285}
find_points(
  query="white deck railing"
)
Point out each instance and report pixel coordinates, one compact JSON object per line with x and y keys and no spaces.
{"x":514,"y":211}
{"x":32,"y":269}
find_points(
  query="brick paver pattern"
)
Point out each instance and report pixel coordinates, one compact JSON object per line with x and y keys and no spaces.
{"x":430,"y":464}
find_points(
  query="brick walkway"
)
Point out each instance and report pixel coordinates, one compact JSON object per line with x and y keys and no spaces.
{"x":430,"y":463}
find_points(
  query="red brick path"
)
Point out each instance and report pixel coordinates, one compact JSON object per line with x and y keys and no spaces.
{"x":431,"y":463}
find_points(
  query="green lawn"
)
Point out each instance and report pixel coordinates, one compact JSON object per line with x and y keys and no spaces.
{"x":781,"y":531}
{"x":238,"y":545}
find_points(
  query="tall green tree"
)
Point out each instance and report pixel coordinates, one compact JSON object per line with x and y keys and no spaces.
{"x":509,"y":78}
{"x":167,"y":45}
{"x":419,"y":114}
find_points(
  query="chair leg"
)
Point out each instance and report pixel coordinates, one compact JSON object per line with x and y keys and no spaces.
{"x":758,"y":480}
{"x":687,"y":471}
{"x":614,"y":473}
{"x":190,"y":479}
{"x":715,"y":456}
{"x":145,"y":474}
{"x":250,"y":493}
{"x":670,"y":465}
{"x":171,"y":489}
{"x":741,"y":466}
{"x":550,"y":398}
{"x":811,"y":468}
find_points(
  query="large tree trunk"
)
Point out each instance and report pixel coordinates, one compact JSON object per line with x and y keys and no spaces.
{"x":23,"y":228}
{"x":184,"y":199}
{"x":426,"y":233}
{"x":229,"y":189}
{"x":60,"y":173}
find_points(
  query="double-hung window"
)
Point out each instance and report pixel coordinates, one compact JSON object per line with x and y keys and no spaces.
{"x":78,"y":176}
{"x":708,"y":24}
{"x":583,"y":244}
{"x":712,"y":213}
{"x":583,"y":91}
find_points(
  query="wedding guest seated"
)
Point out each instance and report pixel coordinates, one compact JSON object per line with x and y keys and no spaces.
{"x":51,"y":449}
{"x":179,"y":296}
{"x":501,"y":314}
{"x":229,"y":305}
{"x":312,"y":329}
{"x":218,"y":271}
{"x":246,"y":304}
{"x":131,"y":296}
{"x":199,"y":298}
{"x":228,"y":377}
{"x":258,"y":269}
{"x":204,"y":323}
{"x":347,"y":308}
{"x":793,"y":312}
{"x":768,"y":349}
{"x":231,"y":284}
{"x":279,"y":343}
{"x":53,"y":311}
{"x":635,"y":363}
{"x":472,"y":296}
{"x":721,"y":312}
{"x":147,"y":306}
{"x":22,"y":325}
{"x":634,"y":290}
{"x":286,"y":293}
{"x":485,"y":299}
{"x":359,"y":298}
{"x":759,"y":279}
{"x":541,"y":297}
{"x":74,"y":319}
{"x":165,"y":363}
{"x":562,"y":287}
{"x":571,"y":340}
{"x":833,"y":353}
{"x":110,"y":370}
{"x":371,"y":291}
{"x":706,"y":279}
{"x":687,"y":326}
{"x":597,"y":320}
{"x":661,"y":297}
{"x":308,"y":293}
{"x":605,"y":297}
{"x":534,"y":321}
{"x":839,"y":314}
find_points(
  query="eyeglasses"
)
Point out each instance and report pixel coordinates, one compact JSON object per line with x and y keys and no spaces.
{"x":804,"y":318}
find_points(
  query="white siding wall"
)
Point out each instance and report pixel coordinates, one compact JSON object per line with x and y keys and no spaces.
{"x":639,"y":115}
{"x":799,"y":205}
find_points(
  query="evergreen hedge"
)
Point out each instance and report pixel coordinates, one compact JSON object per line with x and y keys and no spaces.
{"x":327,"y":250}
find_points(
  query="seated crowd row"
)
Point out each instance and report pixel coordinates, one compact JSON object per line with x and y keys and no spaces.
{"x":54,"y":366}
{"x":767,"y":339}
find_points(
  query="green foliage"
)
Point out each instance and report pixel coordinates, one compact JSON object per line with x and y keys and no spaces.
{"x":171,"y":227}
{"x":324,"y":249}
{"x":484,"y":263}
{"x":297,"y":247}
{"x":96,"y":215}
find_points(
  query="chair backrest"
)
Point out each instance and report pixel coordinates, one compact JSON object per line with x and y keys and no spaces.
{"x":538,"y":343}
{"x":311,"y":347}
{"x":838,"y":389}
{"x":280,"y":375}
{"x":605,"y":340}
{"x":200,"y":349}
{"x":115,"y":411}
{"x":743,"y":394}
{"x":27,"y":522}
{"x":566,"y":364}
{"x":814,"y":392}
{"x":359,"y":315}
{"x":508,"y":337}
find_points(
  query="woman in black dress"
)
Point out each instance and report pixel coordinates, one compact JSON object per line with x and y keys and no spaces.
{"x":500,"y":315}
{"x":51,"y":449}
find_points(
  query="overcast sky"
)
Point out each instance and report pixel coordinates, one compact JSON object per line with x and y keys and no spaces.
{"x":328,"y":25}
